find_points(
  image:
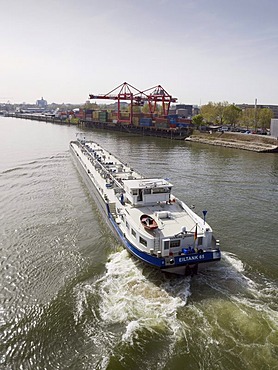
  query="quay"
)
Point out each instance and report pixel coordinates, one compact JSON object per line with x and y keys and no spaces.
{"x":41,"y":117}
{"x":177,"y":133}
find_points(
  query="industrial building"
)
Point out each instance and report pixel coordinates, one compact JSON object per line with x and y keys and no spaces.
{"x":274,"y":128}
{"x":274,"y":108}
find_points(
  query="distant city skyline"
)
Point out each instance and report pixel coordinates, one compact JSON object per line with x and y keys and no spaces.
{"x":198,"y":50}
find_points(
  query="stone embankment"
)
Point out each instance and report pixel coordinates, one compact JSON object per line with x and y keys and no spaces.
{"x":256,"y":143}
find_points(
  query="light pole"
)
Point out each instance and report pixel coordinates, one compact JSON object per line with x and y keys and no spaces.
{"x":255,"y":115}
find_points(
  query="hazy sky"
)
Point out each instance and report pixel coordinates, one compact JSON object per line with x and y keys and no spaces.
{"x":198,"y":50}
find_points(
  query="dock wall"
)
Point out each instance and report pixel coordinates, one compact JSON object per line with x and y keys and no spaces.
{"x":168,"y":133}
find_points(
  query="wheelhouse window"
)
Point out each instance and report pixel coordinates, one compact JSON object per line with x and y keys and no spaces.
{"x":161,"y":190}
{"x":166,"y":244}
{"x":133,"y":233}
{"x":127,"y":225}
{"x":175,"y":243}
{"x":143,"y":241}
{"x":200,"y":240}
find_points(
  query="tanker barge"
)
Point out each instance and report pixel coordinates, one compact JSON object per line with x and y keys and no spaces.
{"x":151,"y":223}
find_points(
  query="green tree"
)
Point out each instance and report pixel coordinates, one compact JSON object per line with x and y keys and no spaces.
{"x":220,"y":111}
{"x":198,"y":120}
{"x":214,"y":112}
{"x":265,"y":115}
{"x":247,"y":117}
{"x":208,"y":112}
{"x":231,"y":114}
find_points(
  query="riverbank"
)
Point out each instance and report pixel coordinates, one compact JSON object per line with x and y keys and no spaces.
{"x":255,"y":143}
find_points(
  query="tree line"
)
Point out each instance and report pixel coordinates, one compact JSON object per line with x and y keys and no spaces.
{"x":223,"y":113}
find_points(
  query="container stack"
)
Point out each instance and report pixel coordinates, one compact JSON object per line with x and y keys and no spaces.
{"x":145,"y":122}
{"x":139,"y":119}
{"x":102,"y":116}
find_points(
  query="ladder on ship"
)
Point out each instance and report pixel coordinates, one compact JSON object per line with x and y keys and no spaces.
{"x":157,"y":244}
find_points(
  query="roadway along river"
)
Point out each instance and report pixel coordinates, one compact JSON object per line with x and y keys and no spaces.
{"x":72,"y":298}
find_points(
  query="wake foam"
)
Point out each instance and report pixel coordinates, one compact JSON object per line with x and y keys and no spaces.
{"x":133,"y":299}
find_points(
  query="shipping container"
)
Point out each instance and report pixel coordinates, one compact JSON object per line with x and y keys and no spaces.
{"x":136,"y":109}
{"x":102,"y":116}
{"x":88,"y":117}
{"x":95,"y":115}
{"x":161,"y":124}
{"x":146,"y":124}
{"x":161,"y":120}
{"x":135,"y":121}
{"x":172,"y":121}
{"x":146,"y":121}
{"x":124,"y":114}
{"x":184,"y":120}
{"x":88,"y":111}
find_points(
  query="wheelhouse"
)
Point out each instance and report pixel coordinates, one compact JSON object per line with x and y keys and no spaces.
{"x":145,"y":192}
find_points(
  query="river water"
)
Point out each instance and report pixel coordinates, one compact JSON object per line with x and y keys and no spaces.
{"x":72,"y":298}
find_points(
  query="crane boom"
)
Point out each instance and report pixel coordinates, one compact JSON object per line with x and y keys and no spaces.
{"x":152,"y":96}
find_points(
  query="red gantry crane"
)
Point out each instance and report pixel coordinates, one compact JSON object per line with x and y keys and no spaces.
{"x":136,"y":97}
{"x":156,"y":95}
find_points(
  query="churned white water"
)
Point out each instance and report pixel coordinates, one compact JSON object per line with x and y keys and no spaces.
{"x":129,"y":297}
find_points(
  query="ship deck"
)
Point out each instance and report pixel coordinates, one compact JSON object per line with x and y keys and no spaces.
{"x":108,"y":173}
{"x":174,"y":217}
